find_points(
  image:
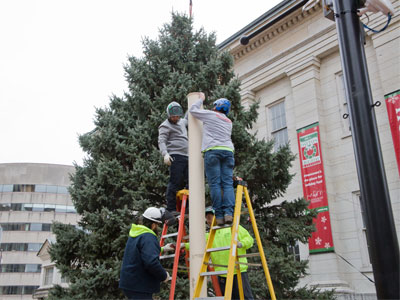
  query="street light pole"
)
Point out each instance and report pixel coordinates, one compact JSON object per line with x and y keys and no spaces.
{"x":381,"y":231}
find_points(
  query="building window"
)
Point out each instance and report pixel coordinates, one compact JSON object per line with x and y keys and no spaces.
{"x":5,"y":206}
{"x":40,"y":188}
{"x":20,"y":268}
{"x":27,"y":206}
{"x":17,"y":289}
{"x":362,"y":230}
{"x":30,"y":247}
{"x":5,"y":188}
{"x":33,"y":247}
{"x":37,"y":207}
{"x":48,"y":276}
{"x":71,"y":209}
{"x":295,"y":251}
{"x":33,"y":268}
{"x":51,"y":189}
{"x":16,"y":206}
{"x":343,"y":106}
{"x":62,"y":190}
{"x":26,"y":226}
{"x":277,"y":124}
{"x":29,"y":289}
{"x":29,"y":188}
{"x":11,"y":290}
{"x":49,"y":207}
{"x":24,"y":188}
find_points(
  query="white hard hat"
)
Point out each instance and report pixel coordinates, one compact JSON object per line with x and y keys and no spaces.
{"x":153,"y":214}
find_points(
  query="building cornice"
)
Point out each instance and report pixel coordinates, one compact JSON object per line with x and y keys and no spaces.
{"x":238,"y":51}
{"x":275,"y":68}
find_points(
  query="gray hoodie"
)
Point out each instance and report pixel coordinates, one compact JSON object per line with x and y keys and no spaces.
{"x":173,"y":138}
{"x":217,"y":128}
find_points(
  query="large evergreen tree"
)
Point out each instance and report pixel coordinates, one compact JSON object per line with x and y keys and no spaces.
{"x":123,"y":172}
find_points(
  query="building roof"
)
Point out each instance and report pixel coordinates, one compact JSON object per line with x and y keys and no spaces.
{"x":45,"y":246}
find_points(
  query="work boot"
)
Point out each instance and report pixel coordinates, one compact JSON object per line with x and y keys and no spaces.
{"x":228,"y":220}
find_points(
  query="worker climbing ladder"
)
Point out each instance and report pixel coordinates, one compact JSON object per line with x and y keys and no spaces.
{"x":182,"y":236}
{"x":233,"y":262}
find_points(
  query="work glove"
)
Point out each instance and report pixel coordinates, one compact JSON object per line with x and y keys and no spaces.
{"x":169,"y":247}
{"x":168,"y":159}
{"x":202,"y":96}
{"x":168,"y":277}
{"x":239,"y":245}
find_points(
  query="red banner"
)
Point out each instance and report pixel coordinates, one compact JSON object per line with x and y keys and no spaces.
{"x":314,"y":188}
{"x":393,"y":109}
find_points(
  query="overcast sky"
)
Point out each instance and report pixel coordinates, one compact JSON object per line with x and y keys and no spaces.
{"x":59,"y":59}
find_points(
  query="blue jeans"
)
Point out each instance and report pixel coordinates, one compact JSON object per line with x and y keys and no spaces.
{"x":218,"y":165}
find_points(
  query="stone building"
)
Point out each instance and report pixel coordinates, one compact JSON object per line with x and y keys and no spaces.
{"x":293,"y":69}
{"x":32,"y":196}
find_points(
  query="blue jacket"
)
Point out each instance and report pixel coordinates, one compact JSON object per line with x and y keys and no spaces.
{"x":141,"y":269}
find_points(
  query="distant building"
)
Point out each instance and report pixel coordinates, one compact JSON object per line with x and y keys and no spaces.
{"x":32,"y":196}
{"x":293,"y":69}
{"x":50,"y":275}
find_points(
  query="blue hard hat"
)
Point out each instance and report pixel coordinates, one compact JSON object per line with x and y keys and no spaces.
{"x":222,"y":105}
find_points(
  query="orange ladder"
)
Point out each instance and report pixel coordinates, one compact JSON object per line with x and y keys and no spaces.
{"x":182,"y":236}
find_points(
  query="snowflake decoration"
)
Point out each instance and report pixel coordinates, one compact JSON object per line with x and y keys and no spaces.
{"x":318,"y":241}
{"x":327,"y":245}
{"x":394,"y":99}
{"x":324,"y":219}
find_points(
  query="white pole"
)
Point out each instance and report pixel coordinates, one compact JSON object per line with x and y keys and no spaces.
{"x":196,"y":198}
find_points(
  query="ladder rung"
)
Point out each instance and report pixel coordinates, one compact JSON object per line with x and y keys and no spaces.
{"x":206,"y":298}
{"x":167,"y":256}
{"x":218,"y":249}
{"x":214,"y":273}
{"x":221,"y":227}
{"x":249,"y":264}
{"x":249,"y":255}
{"x":170,"y":235}
{"x":174,"y":234}
{"x":237,"y":263}
{"x":216,"y":265}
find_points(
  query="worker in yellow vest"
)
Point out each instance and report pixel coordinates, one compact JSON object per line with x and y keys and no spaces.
{"x":222,"y":239}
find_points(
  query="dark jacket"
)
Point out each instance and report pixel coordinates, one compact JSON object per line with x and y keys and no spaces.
{"x":141,"y":269}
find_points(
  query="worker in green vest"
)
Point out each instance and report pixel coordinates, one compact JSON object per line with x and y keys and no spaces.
{"x":222,"y":239}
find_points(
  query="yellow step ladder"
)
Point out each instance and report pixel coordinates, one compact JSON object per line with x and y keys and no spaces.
{"x":233,"y":254}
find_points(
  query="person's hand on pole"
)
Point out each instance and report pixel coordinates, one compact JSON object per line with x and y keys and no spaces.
{"x":202,"y":96}
{"x":168,"y":159}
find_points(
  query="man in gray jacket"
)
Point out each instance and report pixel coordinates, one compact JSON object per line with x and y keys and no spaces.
{"x":173,"y":144}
